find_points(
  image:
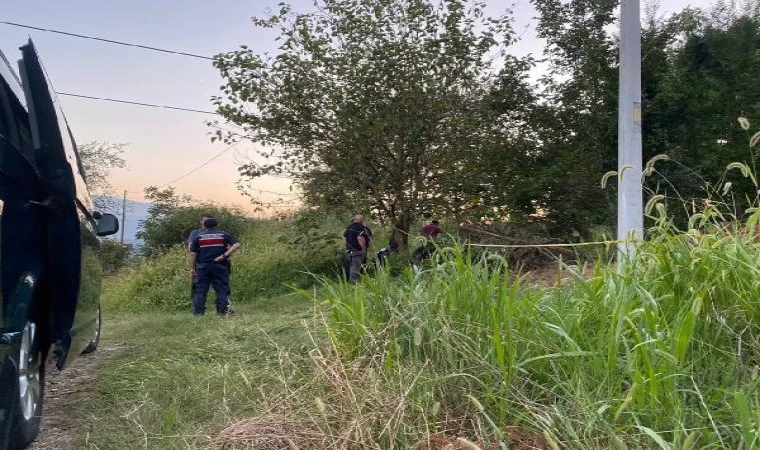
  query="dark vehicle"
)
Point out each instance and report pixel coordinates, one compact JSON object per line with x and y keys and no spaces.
{"x":50,"y":266}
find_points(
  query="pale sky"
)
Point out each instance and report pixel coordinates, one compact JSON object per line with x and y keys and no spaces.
{"x":163,"y":144}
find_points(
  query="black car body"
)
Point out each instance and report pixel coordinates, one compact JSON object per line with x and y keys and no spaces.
{"x":50,"y":268}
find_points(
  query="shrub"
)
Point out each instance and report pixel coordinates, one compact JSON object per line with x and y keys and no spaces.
{"x":114,"y":255}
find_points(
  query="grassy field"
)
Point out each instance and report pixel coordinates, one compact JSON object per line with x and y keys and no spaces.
{"x":176,"y":381}
{"x":663,"y":352}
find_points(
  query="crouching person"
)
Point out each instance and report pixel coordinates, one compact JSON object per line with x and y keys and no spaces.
{"x":209,"y":252}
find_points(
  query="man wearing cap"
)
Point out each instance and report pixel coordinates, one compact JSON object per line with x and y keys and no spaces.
{"x":209,"y":252}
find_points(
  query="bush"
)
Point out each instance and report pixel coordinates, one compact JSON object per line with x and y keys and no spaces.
{"x":114,"y":255}
{"x":165,"y":229}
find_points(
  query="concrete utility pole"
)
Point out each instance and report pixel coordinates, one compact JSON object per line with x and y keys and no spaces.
{"x":123,"y":215}
{"x":630,"y":196}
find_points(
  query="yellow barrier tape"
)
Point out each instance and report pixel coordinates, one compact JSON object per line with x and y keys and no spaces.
{"x":578,"y":244}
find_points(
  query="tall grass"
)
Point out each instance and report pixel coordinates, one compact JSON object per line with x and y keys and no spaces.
{"x":662,"y":352}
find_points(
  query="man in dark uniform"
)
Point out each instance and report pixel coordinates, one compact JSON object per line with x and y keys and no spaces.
{"x":192,"y":236}
{"x":210,"y":250}
{"x":356,"y":247}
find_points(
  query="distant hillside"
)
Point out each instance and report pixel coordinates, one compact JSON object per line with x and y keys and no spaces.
{"x":136,"y":212}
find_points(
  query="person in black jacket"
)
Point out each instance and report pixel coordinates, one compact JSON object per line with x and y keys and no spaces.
{"x":357,"y":241}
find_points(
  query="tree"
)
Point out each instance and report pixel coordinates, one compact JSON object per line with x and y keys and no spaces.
{"x":710,"y":81}
{"x":697,"y":79}
{"x":372,"y":104}
{"x":98,"y":159}
{"x":575,"y":123}
{"x":173,"y":216}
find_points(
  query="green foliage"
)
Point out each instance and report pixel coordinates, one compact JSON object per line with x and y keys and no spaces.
{"x":308,"y":230}
{"x":707,"y":83}
{"x":370,"y":106}
{"x":697,"y":78}
{"x":396,"y":110}
{"x":114,"y":255}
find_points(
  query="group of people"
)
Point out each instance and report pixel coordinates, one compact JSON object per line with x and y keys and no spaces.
{"x":358,"y":239}
{"x":210,"y":250}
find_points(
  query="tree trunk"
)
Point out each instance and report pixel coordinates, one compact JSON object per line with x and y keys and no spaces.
{"x":402,"y":223}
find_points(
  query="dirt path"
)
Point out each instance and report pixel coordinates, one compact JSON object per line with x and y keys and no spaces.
{"x":62,"y":391}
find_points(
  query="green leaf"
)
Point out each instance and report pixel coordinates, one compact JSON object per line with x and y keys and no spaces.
{"x":685,"y":333}
{"x":655,"y":437}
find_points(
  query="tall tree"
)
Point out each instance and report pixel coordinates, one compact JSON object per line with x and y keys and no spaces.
{"x":98,"y":160}
{"x":697,"y":79}
{"x":371,"y":104}
{"x":709,"y":81}
{"x":575,"y":124}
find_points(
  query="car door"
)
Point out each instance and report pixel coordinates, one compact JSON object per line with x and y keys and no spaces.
{"x":73,"y":264}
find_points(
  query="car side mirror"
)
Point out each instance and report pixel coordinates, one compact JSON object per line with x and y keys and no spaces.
{"x":108,"y":224}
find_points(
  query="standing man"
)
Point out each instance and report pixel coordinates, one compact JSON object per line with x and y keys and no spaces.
{"x":193,"y":235}
{"x":356,"y":247}
{"x":210,"y":250}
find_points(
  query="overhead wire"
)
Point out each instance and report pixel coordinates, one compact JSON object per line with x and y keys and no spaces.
{"x":284,"y":194}
{"x":137,"y":103}
{"x":110,"y":41}
{"x":207,"y":162}
{"x":129,"y":102}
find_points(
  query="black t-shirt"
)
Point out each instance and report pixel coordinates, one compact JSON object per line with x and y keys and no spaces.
{"x":352,"y":234}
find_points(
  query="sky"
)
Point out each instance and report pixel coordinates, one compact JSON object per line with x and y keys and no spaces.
{"x":165,"y":145}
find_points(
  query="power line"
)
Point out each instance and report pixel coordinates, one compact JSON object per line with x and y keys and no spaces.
{"x":284,"y":194}
{"x":110,"y":41}
{"x":129,"y":102}
{"x":218,"y":155}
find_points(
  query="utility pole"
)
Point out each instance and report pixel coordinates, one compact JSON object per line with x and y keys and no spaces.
{"x":630,"y":197}
{"x":123,"y":215}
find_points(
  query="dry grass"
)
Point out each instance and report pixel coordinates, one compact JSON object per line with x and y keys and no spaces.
{"x":271,"y":432}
